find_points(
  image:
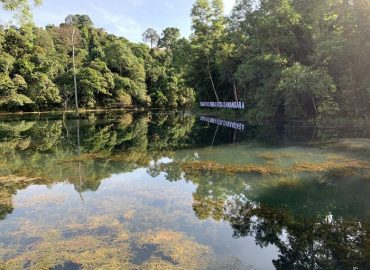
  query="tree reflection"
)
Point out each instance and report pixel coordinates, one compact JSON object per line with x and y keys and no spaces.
{"x":313,"y":219}
{"x":83,"y":151}
{"x":315,"y":243}
{"x":309,"y":232}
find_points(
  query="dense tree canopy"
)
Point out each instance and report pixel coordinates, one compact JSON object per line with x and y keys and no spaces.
{"x":36,"y":69}
{"x":284,"y":58}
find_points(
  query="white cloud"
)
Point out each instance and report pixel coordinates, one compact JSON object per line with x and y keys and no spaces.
{"x":122,"y":25}
{"x":228,"y":4}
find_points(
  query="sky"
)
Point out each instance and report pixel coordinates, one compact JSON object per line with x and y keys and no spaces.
{"x":127,"y":18}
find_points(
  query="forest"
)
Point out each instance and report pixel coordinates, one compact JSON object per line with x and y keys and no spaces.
{"x":286,"y":59}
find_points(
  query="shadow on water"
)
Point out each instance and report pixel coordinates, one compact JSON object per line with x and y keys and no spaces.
{"x":302,"y":189}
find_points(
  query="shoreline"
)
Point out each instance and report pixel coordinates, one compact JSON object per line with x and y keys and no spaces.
{"x":220,"y":113}
{"x":64,"y":112}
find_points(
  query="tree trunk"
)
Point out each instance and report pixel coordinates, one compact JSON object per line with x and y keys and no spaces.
{"x":74,"y":68}
{"x":356,"y":111}
{"x":64,"y":124}
{"x":234,"y":136}
{"x":235,"y":91}
{"x":214,"y":136}
{"x":314,"y":106}
{"x":210,"y":77}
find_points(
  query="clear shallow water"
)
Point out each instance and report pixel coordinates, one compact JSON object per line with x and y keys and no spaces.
{"x":158,"y":191}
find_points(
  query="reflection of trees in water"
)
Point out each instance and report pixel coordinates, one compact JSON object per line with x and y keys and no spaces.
{"x":43,"y":144}
{"x":316,"y":225}
{"x":47,"y":149}
{"x":317,"y":220}
{"x":6,"y":206}
{"x":317,"y":243}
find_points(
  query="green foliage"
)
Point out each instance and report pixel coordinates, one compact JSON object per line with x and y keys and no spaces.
{"x":22,"y":7}
{"x":260,"y":75}
{"x":300,"y":59}
{"x":124,"y":99}
{"x":43,"y":92}
{"x":80,"y":21}
{"x":181,"y":54}
{"x":342,"y":46}
{"x":111,"y":72}
{"x":92,"y":83}
{"x":136,"y":90}
{"x":284,"y":58}
{"x":206,"y":42}
{"x":6,"y":62}
{"x":175,"y":91}
{"x":166,"y":82}
{"x":121,"y":60}
{"x":11,"y":96}
{"x":169,"y":38}
{"x":307,"y":92}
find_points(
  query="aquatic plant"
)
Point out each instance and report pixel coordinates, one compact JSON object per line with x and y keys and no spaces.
{"x":342,"y":166}
{"x":174,"y":248}
{"x":18,"y":180}
{"x":100,"y":245}
{"x":345,"y":167}
{"x":188,"y":167}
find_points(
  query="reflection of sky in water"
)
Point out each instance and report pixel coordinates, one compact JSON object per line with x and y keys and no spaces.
{"x":156,"y":203}
{"x":129,"y":194}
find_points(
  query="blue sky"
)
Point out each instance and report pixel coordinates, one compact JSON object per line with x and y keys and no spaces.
{"x":128,"y":18}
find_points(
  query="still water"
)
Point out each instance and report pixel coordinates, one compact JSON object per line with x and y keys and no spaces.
{"x":175,"y":191}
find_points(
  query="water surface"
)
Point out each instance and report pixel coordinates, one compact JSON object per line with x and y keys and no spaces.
{"x":173,"y":191}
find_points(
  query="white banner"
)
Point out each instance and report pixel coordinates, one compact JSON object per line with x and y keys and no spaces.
{"x":224,"y":123}
{"x":227,"y":105}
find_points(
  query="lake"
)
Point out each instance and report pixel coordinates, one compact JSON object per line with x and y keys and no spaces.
{"x":179,"y":191}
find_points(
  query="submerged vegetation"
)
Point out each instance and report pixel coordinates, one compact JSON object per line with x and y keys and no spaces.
{"x":85,"y":151}
{"x":105,"y":244}
{"x":301,"y":199}
{"x":220,"y":168}
{"x":342,"y":167}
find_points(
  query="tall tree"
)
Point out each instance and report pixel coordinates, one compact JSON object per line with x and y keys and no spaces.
{"x":208,"y":24}
{"x":72,"y":22}
{"x":151,"y":36}
{"x":169,"y":38}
